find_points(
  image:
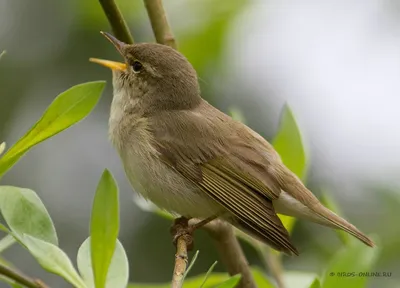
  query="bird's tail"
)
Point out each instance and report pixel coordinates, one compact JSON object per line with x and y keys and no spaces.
{"x":331,"y":219}
{"x":319,"y":213}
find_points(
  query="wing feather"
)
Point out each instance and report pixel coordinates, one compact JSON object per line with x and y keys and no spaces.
{"x":207,"y":150}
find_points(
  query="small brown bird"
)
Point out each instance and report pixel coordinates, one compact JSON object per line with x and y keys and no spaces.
{"x":188,"y":157}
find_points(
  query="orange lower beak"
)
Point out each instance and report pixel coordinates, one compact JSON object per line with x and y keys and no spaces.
{"x":109,"y":64}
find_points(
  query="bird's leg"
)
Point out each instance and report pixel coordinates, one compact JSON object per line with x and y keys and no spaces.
{"x":181,"y":228}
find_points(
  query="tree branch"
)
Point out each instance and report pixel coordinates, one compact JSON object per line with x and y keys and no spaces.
{"x":159,"y":23}
{"x":230,"y":252}
{"x":20,"y":278}
{"x":117,"y":21}
{"x":183,"y":241}
{"x":181,"y":260}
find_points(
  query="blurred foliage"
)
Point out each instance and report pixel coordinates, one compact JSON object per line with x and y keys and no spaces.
{"x":203,"y":45}
{"x":350,"y":266}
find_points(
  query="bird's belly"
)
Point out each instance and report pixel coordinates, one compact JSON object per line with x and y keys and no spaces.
{"x":163,"y":186}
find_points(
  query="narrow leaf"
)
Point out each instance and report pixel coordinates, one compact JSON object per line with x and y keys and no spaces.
{"x":6,"y":242}
{"x":25,"y":213}
{"x":260,"y":279}
{"x":104,"y":227}
{"x":191,"y":264}
{"x":289,"y":145}
{"x":53,"y":259}
{"x":315,"y":283}
{"x":67,"y":109}
{"x":347,"y":267}
{"x":230,"y":283}
{"x":118,"y":273}
{"x":147,"y":206}
{"x":4,"y":229}
{"x":208,"y":273}
{"x":2,"y":54}
{"x":288,"y":222}
{"x":213,"y":280}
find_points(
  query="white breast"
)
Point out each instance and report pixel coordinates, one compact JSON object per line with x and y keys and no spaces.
{"x":153,"y":179}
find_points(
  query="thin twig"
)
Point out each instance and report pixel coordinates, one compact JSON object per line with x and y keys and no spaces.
{"x":230,"y":252}
{"x":159,"y":23}
{"x":19,"y":278}
{"x":117,"y":21}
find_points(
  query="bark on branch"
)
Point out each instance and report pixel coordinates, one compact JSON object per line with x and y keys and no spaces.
{"x":117,"y":21}
{"x":159,"y":23}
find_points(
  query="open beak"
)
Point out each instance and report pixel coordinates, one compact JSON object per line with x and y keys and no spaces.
{"x":111,"y":64}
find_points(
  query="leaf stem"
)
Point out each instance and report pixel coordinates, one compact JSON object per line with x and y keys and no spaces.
{"x":117,"y":21}
{"x":20,"y":278}
{"x":159,"y":23}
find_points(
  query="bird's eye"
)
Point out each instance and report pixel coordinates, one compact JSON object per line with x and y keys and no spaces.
{"x":137,"y":66}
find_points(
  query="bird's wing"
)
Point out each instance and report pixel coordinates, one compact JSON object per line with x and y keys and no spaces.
{"x":225,"y":164}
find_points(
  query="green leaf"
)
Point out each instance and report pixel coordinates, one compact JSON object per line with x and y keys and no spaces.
{"x":330,"y":203}
{"x":315,"y":284}
{"x":67,"y":109}
{"x":53,"y":259}
{"x":208,"y":274}
{"x":25,"y":213}
{"x":6,"y":242}
{"x":346,"y":268}
{"x":2,"y":147}
{"x":163,"y":285}
{"x":147,"y":206}
{"x":192,"y":282}
{"x":191,"y":264}
{"x":204,"y":45}
{"x":230,"y":283}
{"x":104,"y":227}
{"x":2,"y":54}
{"x":298,"y":279}
{"x":4,"y":229}
{"x":288,"y":222}
{"x":118,"y":273}
{"x":289,"y":145}
{"x":260,"y":279}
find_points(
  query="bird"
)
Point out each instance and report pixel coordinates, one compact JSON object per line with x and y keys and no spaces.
{"x":189,"y":158}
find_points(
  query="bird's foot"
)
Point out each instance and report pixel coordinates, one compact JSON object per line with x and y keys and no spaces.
{"x":181,"y":228}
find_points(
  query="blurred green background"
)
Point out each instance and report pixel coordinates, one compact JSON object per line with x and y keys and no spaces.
{"x":335,"y":63}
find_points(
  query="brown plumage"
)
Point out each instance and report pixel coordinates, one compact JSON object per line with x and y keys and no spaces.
{"x":190,"y":158}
